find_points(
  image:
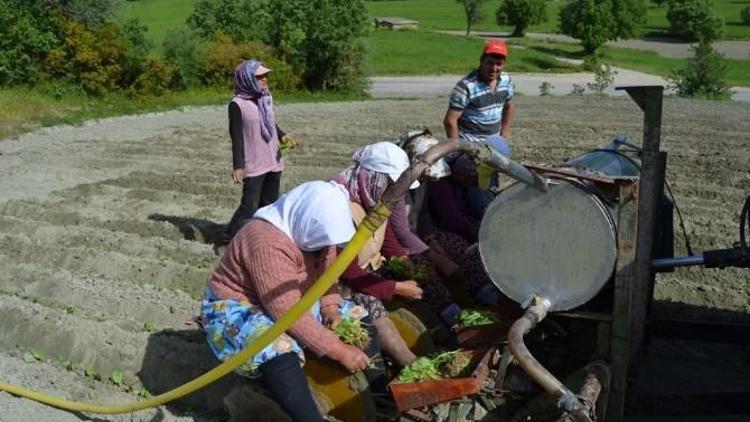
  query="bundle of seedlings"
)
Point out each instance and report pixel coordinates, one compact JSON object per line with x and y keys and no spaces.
{"x":352,"y":331}
{"x":473,"y":318}
{"x":436,"y":367}
{"x":403,"y":269}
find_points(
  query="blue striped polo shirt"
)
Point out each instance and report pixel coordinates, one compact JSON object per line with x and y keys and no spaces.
{"x":482,"y":108}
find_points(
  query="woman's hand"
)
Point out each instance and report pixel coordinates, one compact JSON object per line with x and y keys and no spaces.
{"x":349,"y":357}
{"x":238,"y":175}
{"x":409,"y":289}
{"x":331,"y":315}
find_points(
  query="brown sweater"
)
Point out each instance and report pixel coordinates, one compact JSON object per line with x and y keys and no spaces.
{"x":263,"y":266}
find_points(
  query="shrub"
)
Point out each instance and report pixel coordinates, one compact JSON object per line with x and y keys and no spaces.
{"x":92,"y":57}
{"x":27,"y":35}
{"x":577,"y":90}
{"x":155,"y":79}
{"x":137,"y":48}
{"x":745,"y":15}
{"x":521,"y":14}
{"x":183,"y":51}
{"x":703,"y":75}
{"x":694,"y":20}
{"x":241,"y":20}
{"x":545,"y":88}
{"x":324,"y":39}
{"x":223,"y":55}
{"x":604,"y":76}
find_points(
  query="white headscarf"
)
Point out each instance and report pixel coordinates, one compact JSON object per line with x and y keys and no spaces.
{"x":385,"y":157}
{"x":314,"y":215}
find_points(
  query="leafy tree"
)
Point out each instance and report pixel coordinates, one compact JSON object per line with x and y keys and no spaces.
{"x":183,"y":51}
{"x":745,"y":15}
{"x":473,"y":12}
{"x":242,"y":20}
{"x":521,"y":14}
{"x":703,"y":76}
{"x":595,"y":22}
{"x":694,"y":20}
{"x":137,"y":48}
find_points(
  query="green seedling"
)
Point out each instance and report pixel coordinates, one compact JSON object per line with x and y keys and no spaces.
{"x":92,"y":372}
{"x":149,"y":327}
{"x":143,"y":393}
{"x":351,"y":331}
{"x":38,"y":355}
{"x":68,"y":309}
{"x":441,"y":366}
{"x":474,"y":318}
{"x":71,"y":366}
{"x":401,"y":269}
{"x":116,"y":377}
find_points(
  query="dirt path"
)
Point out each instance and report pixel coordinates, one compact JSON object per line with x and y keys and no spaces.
{"x":107,"y":229}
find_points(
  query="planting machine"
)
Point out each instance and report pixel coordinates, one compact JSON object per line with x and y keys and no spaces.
{"x":577,"y":245}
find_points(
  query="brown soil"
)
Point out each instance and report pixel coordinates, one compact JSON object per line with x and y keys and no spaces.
{"x":108,"y":228}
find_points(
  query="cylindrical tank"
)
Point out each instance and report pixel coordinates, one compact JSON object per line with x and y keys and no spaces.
{"x":560,"y":245}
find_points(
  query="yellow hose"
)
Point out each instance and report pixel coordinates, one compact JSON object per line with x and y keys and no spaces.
{"x":373,"y":220}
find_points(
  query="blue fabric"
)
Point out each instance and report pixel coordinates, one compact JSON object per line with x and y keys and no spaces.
{"x":231,"y":325}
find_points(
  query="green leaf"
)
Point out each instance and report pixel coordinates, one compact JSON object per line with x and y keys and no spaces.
{"x":37,"y":354}
{"x":149,"y":327}
{"x":116,"y":377}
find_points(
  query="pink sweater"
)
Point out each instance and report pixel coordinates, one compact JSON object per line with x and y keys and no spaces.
{"x":260,"y":156}
{"x":263,"y":266}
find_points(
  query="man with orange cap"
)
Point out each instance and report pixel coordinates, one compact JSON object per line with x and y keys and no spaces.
{"x":480,"y":109}
{"x":480,"y":103}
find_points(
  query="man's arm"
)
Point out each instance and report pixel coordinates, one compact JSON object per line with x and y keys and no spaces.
{"x":450,"y":122}
{"x":506,"y":120}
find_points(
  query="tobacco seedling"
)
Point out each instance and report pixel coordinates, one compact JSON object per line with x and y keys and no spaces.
{"x":474,"y":318}
{"x":116,"y":377}
{"x":351,"y":331}
{"x":437,"y":367}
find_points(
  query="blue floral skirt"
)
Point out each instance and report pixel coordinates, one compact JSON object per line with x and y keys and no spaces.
{"x":231,"y":324}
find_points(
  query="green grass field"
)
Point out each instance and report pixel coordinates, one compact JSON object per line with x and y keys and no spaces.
{"x":158,"y":15}
{"x":448,"y":14}
{"x":738,"y":73}
{"x":429,"y":53}
{"x":729,"y":10}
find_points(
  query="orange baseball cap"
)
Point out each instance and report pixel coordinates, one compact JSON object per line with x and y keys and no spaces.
{"x":496,"y":47}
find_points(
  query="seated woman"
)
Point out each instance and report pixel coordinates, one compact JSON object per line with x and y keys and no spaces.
{"x":265,"y":270}
{"x":446,"y":223}
{"x":374,"y":168}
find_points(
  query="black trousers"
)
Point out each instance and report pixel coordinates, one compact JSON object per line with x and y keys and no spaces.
{"x":257,"y":192}
{"x":285,"y":380}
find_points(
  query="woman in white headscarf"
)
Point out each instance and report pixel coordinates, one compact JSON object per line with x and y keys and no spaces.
{"x":374,"y":168}
{"x":265,"y":270}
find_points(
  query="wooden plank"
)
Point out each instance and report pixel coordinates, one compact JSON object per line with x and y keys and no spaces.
{"x":621,"y":315}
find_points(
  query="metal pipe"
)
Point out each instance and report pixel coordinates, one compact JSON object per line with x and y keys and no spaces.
{"x":534,"y":314}
{"x":680,"y":261}
{"x":480,"y":150}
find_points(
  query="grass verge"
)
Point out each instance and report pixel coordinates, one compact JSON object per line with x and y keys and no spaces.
{"x":738,"y":73}
{"x":26,"y":109}
{"x":429,"y":53}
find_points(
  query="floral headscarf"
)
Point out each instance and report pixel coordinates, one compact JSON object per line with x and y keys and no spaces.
{"x":365,"y":186}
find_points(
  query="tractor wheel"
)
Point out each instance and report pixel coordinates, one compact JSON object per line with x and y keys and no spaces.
{"x":344,"y":396}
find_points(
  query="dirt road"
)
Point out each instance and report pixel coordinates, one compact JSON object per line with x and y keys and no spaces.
{"x":107,"y":229}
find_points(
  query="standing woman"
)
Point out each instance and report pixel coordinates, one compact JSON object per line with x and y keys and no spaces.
{"x":256,"y":157}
